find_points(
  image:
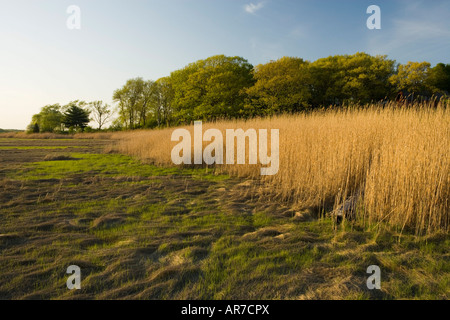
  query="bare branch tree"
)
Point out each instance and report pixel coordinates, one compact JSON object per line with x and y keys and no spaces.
{"x":101,"y":112}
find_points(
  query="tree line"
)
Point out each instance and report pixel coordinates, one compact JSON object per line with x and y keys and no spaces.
{"x":71,"y":118}
{"x":222,"y":87}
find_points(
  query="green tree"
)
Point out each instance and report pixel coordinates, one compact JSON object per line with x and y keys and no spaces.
{"x":366,"y":78}
{"x":412,"y":77}
{"x":164,"y":100}
{"x":147,"y":105}
{"x":183,"y":102}
{"x":325,"y":83}
{"x":135,"y":100}
{"x":48,"y":120}
{"x":210,"y":89}
{"x":76,"y":117}
{"x":128,"y":99}
{"x":281,"y":86}
{"x":359,"y":78}
{"x":439,"y":78}
{"x":33,"y":127}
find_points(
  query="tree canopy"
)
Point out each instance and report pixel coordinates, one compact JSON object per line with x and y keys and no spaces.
{"x":210,"y":89}
{"x":357,"y":78}
{"x":230,"y":87}
{"x":412,"y":77}
{"x":281,"y":86}
{"x":136,"y":102}
{"x":57,"y":118}
{"x":48,"y":120}
{"x":439,"y":78}
{"x":223,"y":87}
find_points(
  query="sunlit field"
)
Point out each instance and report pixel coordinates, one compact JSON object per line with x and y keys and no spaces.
{"x":141,"y":228}
{"x":225,"y":158}
{"x":391,"y":163}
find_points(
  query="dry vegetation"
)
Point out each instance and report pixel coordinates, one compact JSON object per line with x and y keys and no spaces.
{"x":140,"y":231}
{"x":394,"y":160}
{"x":48,"y":135}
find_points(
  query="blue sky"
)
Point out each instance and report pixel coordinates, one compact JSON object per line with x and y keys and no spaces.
{"x":43,"y":62}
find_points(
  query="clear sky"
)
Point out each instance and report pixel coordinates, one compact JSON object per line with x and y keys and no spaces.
{"x":44,"y":62}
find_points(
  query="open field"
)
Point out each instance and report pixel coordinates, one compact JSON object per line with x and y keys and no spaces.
{"x":141,"y":231}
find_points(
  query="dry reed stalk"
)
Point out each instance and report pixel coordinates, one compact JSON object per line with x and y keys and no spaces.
{"x":397,"y":158}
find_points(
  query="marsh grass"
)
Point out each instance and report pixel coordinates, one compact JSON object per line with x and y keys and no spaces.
{"x":394,"y":159}
{"x":140,"y":231}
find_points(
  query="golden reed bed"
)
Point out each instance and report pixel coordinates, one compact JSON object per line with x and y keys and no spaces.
{"x":395,"y":161}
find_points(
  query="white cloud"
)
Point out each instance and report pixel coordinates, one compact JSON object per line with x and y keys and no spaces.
{"x":252,"y":8}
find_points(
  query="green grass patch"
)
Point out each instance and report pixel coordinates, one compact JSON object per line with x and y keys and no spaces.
{"x":109,"y":165}
{"x":40,"y":147}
